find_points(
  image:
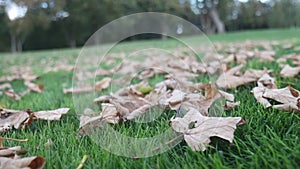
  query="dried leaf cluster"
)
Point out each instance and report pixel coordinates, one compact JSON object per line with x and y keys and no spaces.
{"x":178,"y":91}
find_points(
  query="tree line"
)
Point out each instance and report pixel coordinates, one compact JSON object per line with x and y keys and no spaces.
{"x":46,"y":24}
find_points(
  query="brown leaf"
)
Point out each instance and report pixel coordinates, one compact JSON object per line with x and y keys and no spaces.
{"x":9,"y":151}
{"x":36,"y":162}
{"x":11,"y":94}
{"x":286,"y":96}
{"x":266,"y":81}
{"x":198,"y":137}
{"x":103,"y":84}
{"x":51,"y":114}
{"x":139,"y":111}
{"x":266,"y":55}
{"x":28,"y":77}
{"x":78,"y":90}
{"x":176,"y":99}
{"x":258,"y":94}
{"x":233,"y":78}
{"x":5,"y":86}
{"x":294,"y":92}
{"x":288,"y":71}
{"x":12,"y":118}
{"x":109,"y":113}
{"x":102,"y":99}
{"x":34,"y":87}
{"x":86,"y":119}
{"x":231,"y":105}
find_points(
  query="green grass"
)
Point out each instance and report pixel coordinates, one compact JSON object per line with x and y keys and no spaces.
{"x":270,"y":139}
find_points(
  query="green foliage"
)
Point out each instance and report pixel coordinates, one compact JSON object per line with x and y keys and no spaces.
{"x":270,"y":139}
{"x":69,"y":23}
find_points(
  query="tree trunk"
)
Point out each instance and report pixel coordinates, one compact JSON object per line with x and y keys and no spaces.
{"x":214,"y":15}
{"x":20,"y":46}
{"x":73,"y":43}
{"x":13,"y":40}
{"x":207,"y":24}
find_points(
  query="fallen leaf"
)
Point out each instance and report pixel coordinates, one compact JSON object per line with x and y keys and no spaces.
{"x":36,"y":162}
{"x":137,"y":112}
{"x":288,"y":97}
{"x":5,"y":86}
{"x":266,"y":55}
{"x":10,"y":151}
{"x":198,"y":136}
{"x":288,"y":71}
{"x":231,"y":105}
{"x":34,"y":87}
{"x":51,"y":114}
{"x":109,"y":113}
{"x":12,"y":119}
{"x":86,"y":118}
{"x":103,"y":84}
{"x":266,"y":82}
{"x":233,"y":78}
{"x":78,"y":90}
{"x":11,"y":94}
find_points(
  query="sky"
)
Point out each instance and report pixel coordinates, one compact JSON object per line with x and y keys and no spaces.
{"x":14,"y":11}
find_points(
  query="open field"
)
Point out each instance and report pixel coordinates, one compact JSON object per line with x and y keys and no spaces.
{"x":270,"y":139}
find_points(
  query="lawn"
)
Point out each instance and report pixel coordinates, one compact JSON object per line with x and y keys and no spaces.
{"x":270,"y":139}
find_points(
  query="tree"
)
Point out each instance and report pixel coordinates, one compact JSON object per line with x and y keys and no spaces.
{"x":209,"y":15}
{"x":285,"y":13}
{"x":36,"y":14}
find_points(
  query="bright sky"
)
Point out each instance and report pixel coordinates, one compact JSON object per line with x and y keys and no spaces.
{"x":14,"y":11}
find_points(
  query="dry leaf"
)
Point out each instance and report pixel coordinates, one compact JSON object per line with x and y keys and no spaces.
{"x":288,"y":71}
{"x":5,"y":86}
{"x":12,"y":118}
{"x":109,"y":113}
{"x":28,"y":77}
{"x":36,"y":162}
{"x":266,"y":81}
{"x":175,"y":100}
{"x":138,"y":112}
{"x":258,"y":94}
{"x":86,"y":119}
{"x":102,"y":99}
{"x":288,"y":96}
{"x":11,"y":94}
{"x":267,"y":89}
{"x":103,"y":84}
{"x":231,"y":105}
{"x":51,"y":114}
{"x":198,"y":136}
{"x":78,"y":90}
{"x":34,"y":87}
{"x":9,"y":151}
{"x":266,"y":55}
{"x":233,"y":78}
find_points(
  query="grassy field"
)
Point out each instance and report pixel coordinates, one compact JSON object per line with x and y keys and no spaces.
{"x":270,"y":139}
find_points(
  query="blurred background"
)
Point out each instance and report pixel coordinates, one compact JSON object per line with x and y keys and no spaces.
{"x":48,"y":24}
